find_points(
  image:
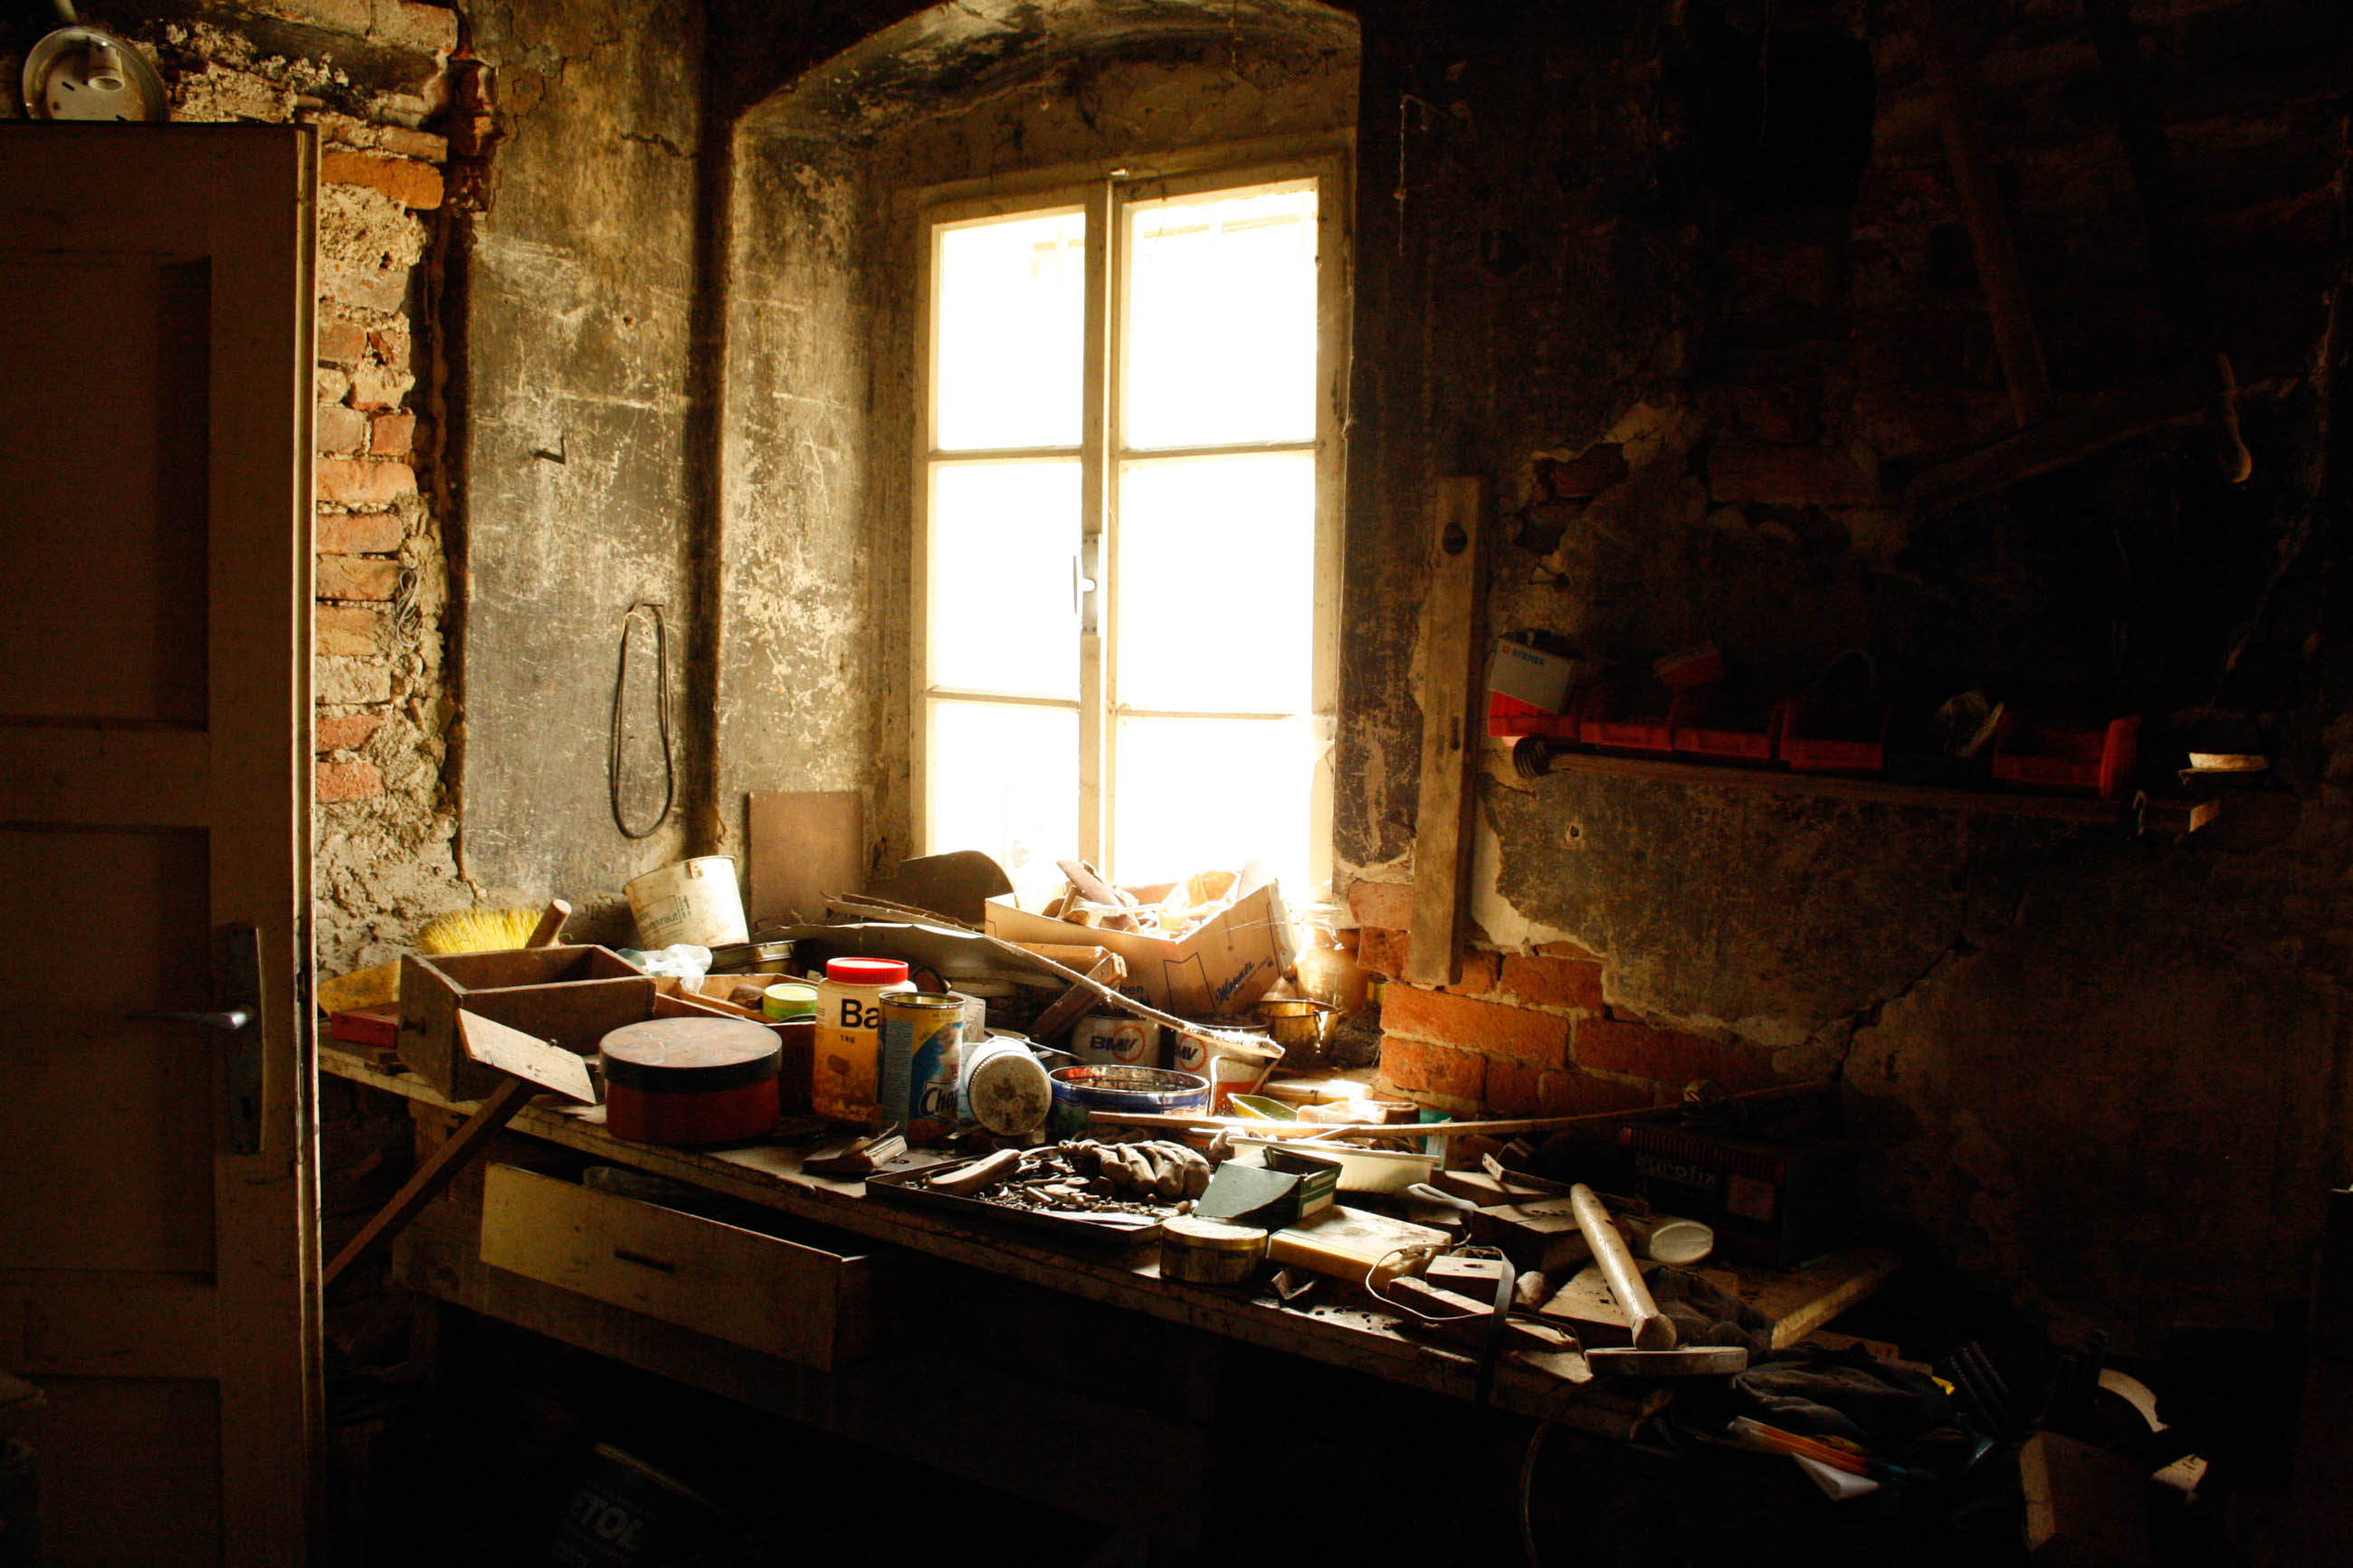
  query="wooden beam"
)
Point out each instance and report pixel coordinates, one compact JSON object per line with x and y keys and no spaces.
{"x":1453,"y":628}
{"x":439,"y":1170}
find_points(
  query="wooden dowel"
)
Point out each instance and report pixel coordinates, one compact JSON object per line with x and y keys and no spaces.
{"x":1499,"y":1127}
{"x":439,"y":1169}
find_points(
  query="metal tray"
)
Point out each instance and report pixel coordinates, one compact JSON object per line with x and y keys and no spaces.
{"x":898,"y":1187}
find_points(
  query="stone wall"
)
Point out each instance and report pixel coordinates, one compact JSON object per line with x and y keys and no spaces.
{"x":1701,"y":364}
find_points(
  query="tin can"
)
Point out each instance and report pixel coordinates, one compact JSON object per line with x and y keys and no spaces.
{"x":849,"y":1037}
{"x":1116,"y":1040}
{"x":921,"y":1047}
{"x":1004,"y":1090}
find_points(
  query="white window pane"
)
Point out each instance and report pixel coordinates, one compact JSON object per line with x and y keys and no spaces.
{"x":1012,"y":320}
{"x":1005,"y":543}
{"x":1004,"y":779}
{"x":1216,"y":584}
{"x":1220,"y":332}
{"x":1193,"y":794}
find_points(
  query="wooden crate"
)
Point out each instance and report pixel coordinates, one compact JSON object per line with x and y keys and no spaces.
{"x":571,"y":997}
{"x":799,"y":1302}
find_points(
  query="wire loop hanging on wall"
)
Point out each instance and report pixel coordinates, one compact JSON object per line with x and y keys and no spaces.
{"x":662,"y":703}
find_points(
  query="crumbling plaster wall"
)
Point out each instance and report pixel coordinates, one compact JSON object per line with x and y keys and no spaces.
{"x":573,"y":313}
{"x":2108,"y":1076}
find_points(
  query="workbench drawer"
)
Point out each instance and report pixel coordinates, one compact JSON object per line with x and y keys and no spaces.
{"x":798,"y":1302}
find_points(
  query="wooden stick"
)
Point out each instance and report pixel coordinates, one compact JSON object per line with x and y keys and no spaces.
{"x":439,"y":1169}
{"x":1453,"y":639}
{"x":1490,"y":1129}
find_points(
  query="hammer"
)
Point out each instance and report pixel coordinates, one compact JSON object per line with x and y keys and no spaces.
{"x":1653,"y":1329}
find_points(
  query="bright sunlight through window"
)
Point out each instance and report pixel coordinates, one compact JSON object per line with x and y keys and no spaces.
{"x":1127,"y":574}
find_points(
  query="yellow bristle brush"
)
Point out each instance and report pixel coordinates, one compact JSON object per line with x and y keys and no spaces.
{"x":482,"y":930}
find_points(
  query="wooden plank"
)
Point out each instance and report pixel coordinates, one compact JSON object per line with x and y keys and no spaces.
{"x":803,"y":845}
{"x":1799,"y":1300}
{"x":766,"y":1293}
{"x":1453,"y":629}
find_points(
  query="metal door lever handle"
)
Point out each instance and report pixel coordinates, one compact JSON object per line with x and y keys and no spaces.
{"x":227,"y":1023}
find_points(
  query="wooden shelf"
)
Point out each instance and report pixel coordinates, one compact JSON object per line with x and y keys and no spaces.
{"x":1535,"y":758}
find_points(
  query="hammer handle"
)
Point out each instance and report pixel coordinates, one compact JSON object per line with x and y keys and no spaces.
{"x":1653,"y":1329}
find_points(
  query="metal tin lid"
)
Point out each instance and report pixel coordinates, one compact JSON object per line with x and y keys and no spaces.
{"x":922,"y":1001}
{"x":691,"y":1055}
{"x":865,"y":971}
{"x":1186,"y":1233}
{"x":793,"y":999}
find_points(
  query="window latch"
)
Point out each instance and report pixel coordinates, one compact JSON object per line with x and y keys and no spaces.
{"x":1086,"y":579}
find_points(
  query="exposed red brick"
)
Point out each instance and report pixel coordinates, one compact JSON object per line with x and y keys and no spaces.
{"x":342,"y":16}
{"x":345,"y":631}
{"x":1429,"y":1069}
{"x":335,"y":428}
{"x":1387,"y":904}
{"x":1513,"y":1088}
{"x":355,"y":577}
{"x":1583,"y":477}
{"x":342,"y":343}
{"x":410,"y":143}
{"x":1795,"y":476}
{"x":1669,"y":1056}
{"x":348,"y":481}
{"x":1381,"y":951}
{"x":392,"y":435}
{"x":1552,"y":982}
{"x":1574,"y":1093}
{"x":1538,"y":1037}
{"x":357,"y":532}
{"x":348,"y":780}
{"x":1565,"y":949}
{"x":348,"y":732}
{"x":1479,"y":972}
{"x":411,"y":184}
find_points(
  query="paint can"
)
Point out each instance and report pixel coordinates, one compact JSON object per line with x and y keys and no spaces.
{"x":1116,"y":1039}
{"x":1003,"y":1089}
{"x":1233,"y":1062}
{"x":1081,"y":1091}
{"x":922,"y":1050}
{"x":625,"y":1512}
{"x":849,"y":1037}
{"x":695,"y":901}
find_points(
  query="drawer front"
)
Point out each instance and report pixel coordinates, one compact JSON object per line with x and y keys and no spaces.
{"x":801,"y":1303}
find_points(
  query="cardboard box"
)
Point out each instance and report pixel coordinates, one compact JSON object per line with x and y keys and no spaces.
{"x":1222,"y":966}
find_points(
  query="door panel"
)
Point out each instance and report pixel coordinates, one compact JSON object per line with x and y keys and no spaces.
{"x":157,"y":1259}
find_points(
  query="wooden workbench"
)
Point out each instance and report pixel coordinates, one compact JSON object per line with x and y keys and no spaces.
{"x":1358,"y":1338}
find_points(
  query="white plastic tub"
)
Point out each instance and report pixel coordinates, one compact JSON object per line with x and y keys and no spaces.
{"x":1361,"y":1169}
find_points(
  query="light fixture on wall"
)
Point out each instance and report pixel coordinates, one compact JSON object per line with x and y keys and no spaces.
{"x":87,"y":73}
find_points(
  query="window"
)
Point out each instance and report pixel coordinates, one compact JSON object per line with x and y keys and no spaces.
{"x":1127,"y":552}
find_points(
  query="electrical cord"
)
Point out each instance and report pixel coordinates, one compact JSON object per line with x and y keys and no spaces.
{"x":620,"y":702}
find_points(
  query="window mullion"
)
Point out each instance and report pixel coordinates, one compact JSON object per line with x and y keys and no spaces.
{"x":1096,"y":508}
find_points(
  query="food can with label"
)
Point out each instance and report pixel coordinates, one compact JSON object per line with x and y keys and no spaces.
{"x":849,"y":1035}
{"x":921,"y":1048}
{"x":1116,"y":1039}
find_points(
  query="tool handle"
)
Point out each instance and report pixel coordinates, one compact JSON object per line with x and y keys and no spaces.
{"x":550,"y":929}
{"x":1653,"y":1329}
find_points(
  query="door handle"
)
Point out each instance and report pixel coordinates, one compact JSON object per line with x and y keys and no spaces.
{"x":239,"y":1017}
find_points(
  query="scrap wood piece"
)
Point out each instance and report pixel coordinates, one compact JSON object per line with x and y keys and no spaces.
{"x":439,"y":1170}
{"x":1797,"y":1302}
{"x":1109,"y":969}
{"x":1453,"y":637}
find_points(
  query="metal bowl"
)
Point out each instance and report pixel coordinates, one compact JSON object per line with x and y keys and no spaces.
{"x":1297,"y":1024}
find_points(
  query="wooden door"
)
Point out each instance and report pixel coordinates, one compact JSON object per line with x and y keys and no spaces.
{"x":157,"y":1193}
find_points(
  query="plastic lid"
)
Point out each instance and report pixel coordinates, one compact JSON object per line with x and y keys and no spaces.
{"x":865,"y":971}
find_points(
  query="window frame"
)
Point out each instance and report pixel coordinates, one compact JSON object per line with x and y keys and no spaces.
{"x":1104,"y":193}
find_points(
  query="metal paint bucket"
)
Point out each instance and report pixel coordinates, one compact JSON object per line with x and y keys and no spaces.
{"x":626,"y":1513}
{"x":1079,"y":1092}
{"x":695,"y":901}
{"x":1116,"y":1039}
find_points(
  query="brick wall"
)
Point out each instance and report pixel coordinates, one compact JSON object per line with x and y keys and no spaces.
{"x":1528,"y":1033}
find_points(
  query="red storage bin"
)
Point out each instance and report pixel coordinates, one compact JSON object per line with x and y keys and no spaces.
{"x":1626,"y":717}
{"x":1819,"y":737}
{"x":2060,"y":754}
{"x":1712,"y":725}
